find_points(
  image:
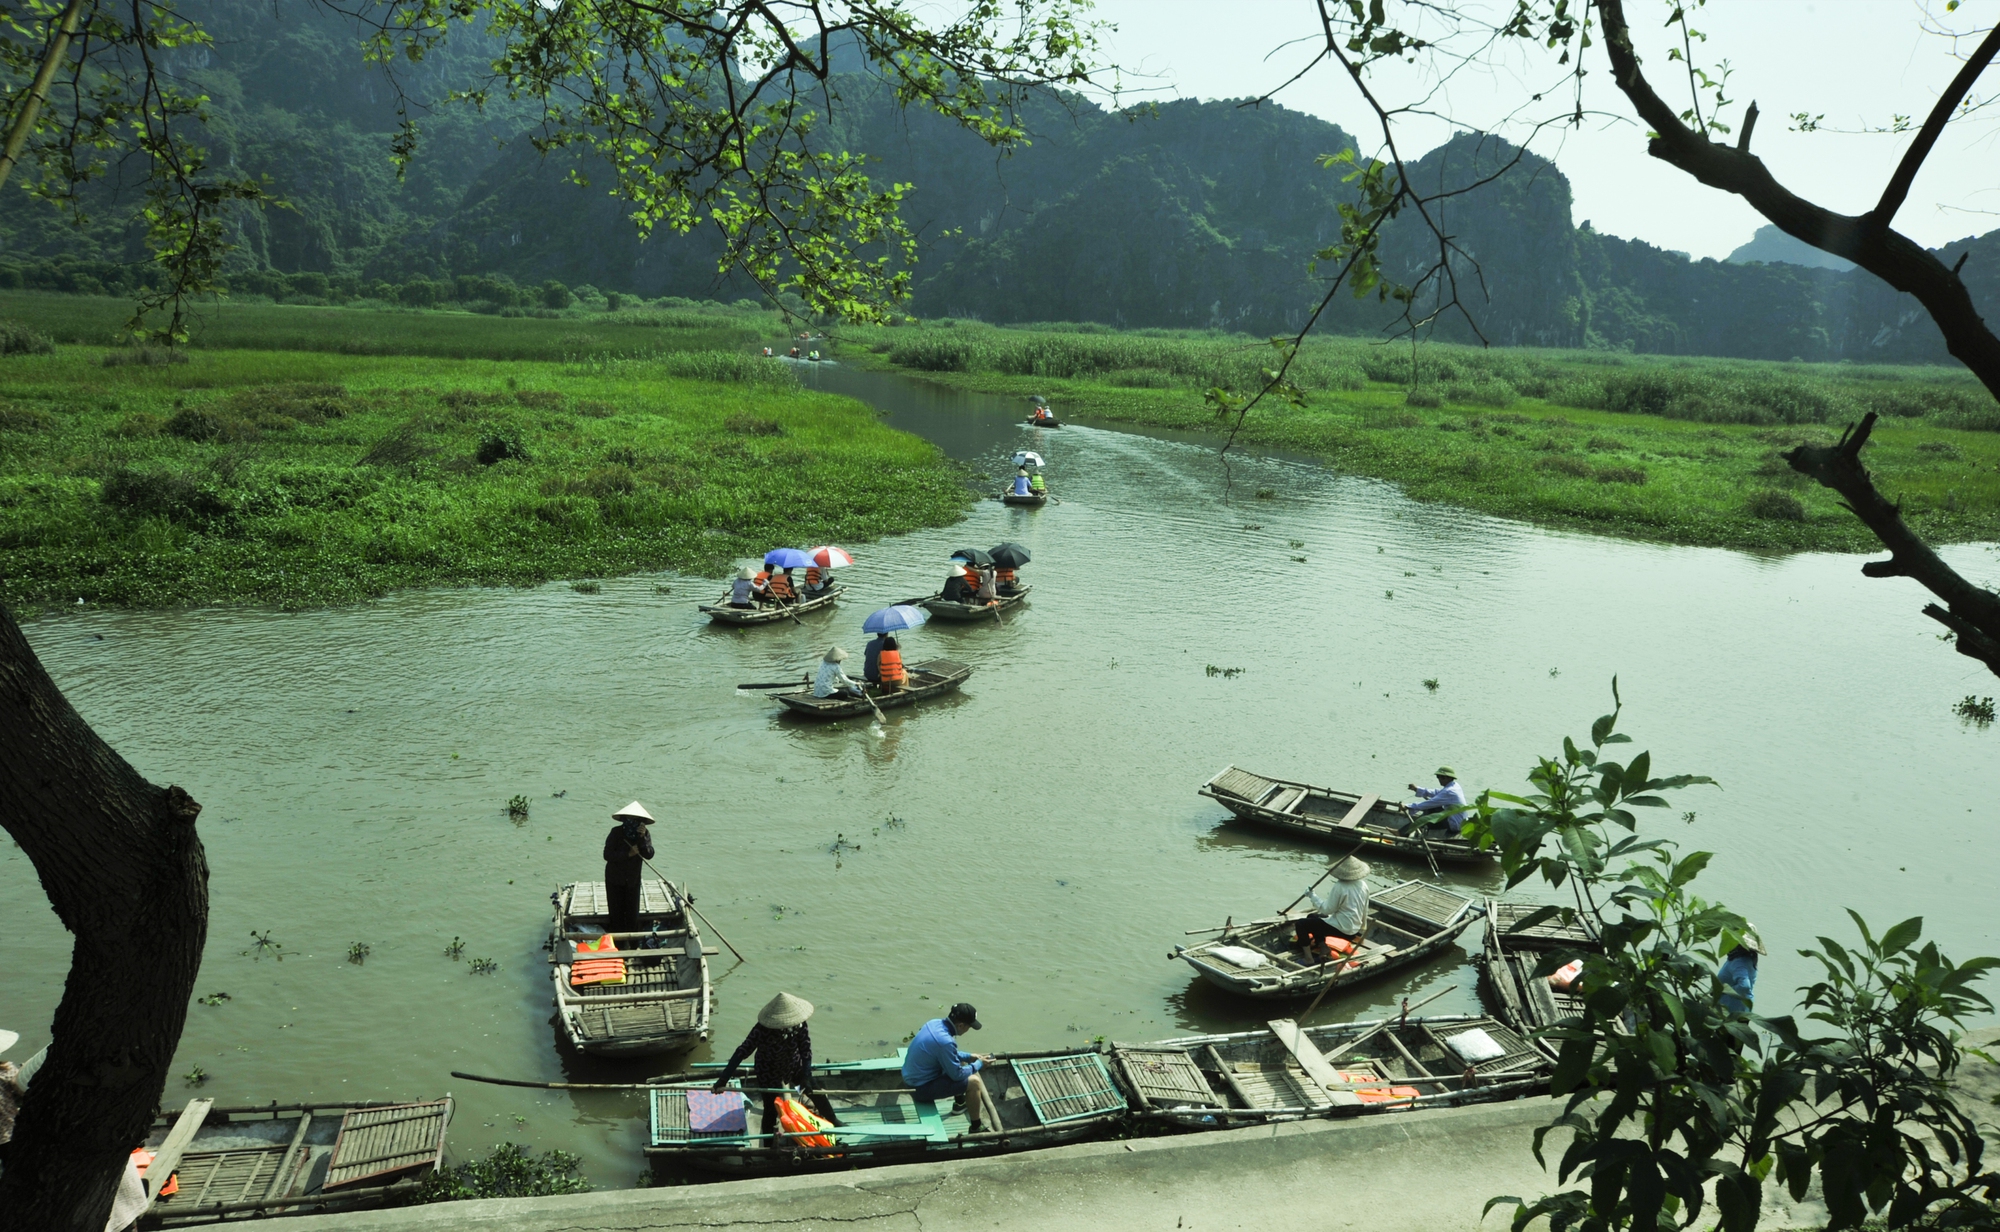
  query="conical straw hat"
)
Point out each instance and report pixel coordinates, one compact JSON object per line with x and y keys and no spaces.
{"x":634,"y":809}
{"x":1350,"y":869}
{"x":784,"y":1010}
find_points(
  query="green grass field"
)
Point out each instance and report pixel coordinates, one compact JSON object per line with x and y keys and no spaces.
{"x":309,"y":477}
{"x":1675,"y":450}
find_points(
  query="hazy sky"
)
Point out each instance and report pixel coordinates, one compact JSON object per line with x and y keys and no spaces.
{"x":1858,"y":62}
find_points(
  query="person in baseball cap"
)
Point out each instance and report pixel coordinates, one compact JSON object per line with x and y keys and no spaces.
{"x":934,"y":1067}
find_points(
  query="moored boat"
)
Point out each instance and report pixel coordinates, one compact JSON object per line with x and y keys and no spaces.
{"x":1341,"y":817}
{"x":769,"y":614}
{"x":928,"y":679}
{"x":646,"y":992}
{"x":944,"y":609}
{"x":1033,"y":500}
{"x":1038,"y":1099}
{"x":1288,"y":1073}
{"x":1407,"y":923}
{"x":1511,"y":953}
{"x":225,"y":1164}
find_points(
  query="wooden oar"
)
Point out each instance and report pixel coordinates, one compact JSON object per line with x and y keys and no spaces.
{"x":776,"y":684}
{"x":1323,"y":876}
{"x":697,"y":912}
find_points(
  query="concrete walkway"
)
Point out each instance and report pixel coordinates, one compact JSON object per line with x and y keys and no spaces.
{"x":1418,"y":1172}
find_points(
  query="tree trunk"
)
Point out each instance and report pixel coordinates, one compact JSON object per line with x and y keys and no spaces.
{"x":125,"y":872}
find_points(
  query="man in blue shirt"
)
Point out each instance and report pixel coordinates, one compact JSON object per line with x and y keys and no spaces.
{"x":933,"y":1066}
{"x":1447,"y":795}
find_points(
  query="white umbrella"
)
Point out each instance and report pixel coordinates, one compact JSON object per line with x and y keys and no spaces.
{"x":1025,"y":456}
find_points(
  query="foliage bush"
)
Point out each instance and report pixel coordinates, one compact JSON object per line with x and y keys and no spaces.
{"x":509,"y":1172}
{"x":163,"y":493}
{"x":144,"y":356}
{"x":19,"y":339}
{"x":1775,"y":506}
{"x":25,"y":419}
{"x":497,"y":443}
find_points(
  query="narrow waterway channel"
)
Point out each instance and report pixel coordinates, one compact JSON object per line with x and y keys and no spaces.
{"x":1034,"y":845}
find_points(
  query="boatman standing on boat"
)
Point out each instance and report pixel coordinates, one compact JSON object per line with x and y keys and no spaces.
{"x":784,"y":1058}
{"x":833,"y":678}
{"x":626,"y":849}
{"x":1446,"y":795}
{"x":1342,"y":911}
{"x":933,"y":1066}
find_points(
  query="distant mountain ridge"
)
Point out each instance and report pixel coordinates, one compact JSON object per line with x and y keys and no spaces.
{"x":1185,"y":215}
{"x":1773,"y":247}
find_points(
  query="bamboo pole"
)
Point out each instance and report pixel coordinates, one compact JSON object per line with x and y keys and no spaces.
{"x":38,"y":93}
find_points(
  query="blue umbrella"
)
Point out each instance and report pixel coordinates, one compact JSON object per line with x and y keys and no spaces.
{"x":894,"y":619}
{"x":789,"y":558}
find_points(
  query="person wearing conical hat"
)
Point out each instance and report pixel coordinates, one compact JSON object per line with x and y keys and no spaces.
{"x":743,"y":588}
{"x":1446,"y":795}
{"x":626,"y":850}
{"x":784,"y":1058}
{"x":1340,"y":907}
{"x":956,"y":588}
{"x":833,"y":678}
{"x":1738,"y":972}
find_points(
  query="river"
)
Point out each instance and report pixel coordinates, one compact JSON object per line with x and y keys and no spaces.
{"x":1033,"y":845}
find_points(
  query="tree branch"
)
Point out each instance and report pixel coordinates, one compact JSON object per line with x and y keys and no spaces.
{"x":1906,"y":171}
{"x":1971,"y":612}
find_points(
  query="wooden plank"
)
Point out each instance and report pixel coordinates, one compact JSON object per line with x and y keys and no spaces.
{"x":1361,"y":809}
{"x":279,"y":1186}
{"x":1228,"y":1077}
{"x":178,"y":1139}
{"x":1294,"y":1039}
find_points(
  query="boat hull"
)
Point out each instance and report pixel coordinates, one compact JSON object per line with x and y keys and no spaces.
{"x":932,"y":678}
{"x":1325,"y":815}
{"x":966,"y":612}
{"x":723,"y":614}
{"x":1026,"y":502}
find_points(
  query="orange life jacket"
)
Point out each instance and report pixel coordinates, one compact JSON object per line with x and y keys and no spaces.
{"x":1003,"y":577}
{"x":597,"y":970}
{"x":889,"y":666}
{"x":1565,"y":976}
{"x":781,"y":586}
{"x":796,"y":1118}
{"x":1339,"y":946}
{"x":143,"y":1158}
{"x":812,"y":576}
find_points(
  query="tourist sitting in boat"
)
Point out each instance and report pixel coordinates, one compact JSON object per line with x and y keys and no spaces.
{"x":1005,"y":580}
{"x":816,"y":582}
{"x":742,"y":591}
{"x":784,"y":1059}
{"x":782,"y":590}
{"x":1021,"y":483}
{"x":794,"y":352}
{"x":987,"y":591}
{"x":760,"y":586}
{"x":883,"y":663}
{"x":956,"y":588}
{"x":626,"y":850}
{"x":1446,"y":795}
{"x":1042,"y":411}
{"x":1341,"y":912}
{"x":933,"y":1066}
{"x":1036,"y":486}
{"x":833,"y":678}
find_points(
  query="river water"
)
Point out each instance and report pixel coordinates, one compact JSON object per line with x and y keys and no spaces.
{"x":1033,"y":845}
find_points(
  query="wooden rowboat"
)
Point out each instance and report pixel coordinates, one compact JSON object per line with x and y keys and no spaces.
{"x":662,"y":1001}
{"x":943,"y":610}
{"x":769,"y":614}
{"x":1034,"y":500}
{"x":1043,"y":423}
{"x":926,"y":680}
{"x":1340,"y":817}
{"x":290,"y":1159}
{"x":1510,"y":954}
{"x":1285,"y":1073}
{"x":1039,"y":1099}
{"x":1407,"y":923}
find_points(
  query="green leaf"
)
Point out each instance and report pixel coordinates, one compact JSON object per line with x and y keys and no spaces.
{"x":1901,"y":937}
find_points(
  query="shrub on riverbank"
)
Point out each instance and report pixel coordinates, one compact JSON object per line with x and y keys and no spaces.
{"x":306,"y":479}
{"x":1673,"y":450}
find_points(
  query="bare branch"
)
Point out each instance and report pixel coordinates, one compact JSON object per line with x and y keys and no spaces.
{"x":1906,"y":171}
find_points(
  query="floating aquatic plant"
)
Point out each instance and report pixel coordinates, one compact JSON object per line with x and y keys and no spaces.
{"x":261,"y":944}
{"x":1977,"y":710}
{"x":1431,"y":683}
{"x":1227,"y":673}
{"x":517,"y":807}
{"x":357,"y":952}
{"x":195,"y":1077}
{"x":214,"y":998}
{"x":483,"y":966}
{"x":455,"y":950}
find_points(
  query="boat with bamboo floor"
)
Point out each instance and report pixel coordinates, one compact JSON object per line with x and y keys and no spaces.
{"x":945,"y":609}
{"x":1288,"y":1073}
{"x":1341,"y":817}
{"x":1511,"y":954}
{"x":628,"y":994}
{"x":1407,"y":923}
{"x":1033,"y":500}
{"x":771,"y":613}
{"x":226,"y":1164}
{"x":1037,"y":1099}
{"x":932,"y":678}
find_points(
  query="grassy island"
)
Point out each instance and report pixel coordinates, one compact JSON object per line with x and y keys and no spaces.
{"x":252,"y":470}
{"x":1648,"y":447}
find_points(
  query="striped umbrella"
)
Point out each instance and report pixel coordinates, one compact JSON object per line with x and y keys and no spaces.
{"x":827,"y":556}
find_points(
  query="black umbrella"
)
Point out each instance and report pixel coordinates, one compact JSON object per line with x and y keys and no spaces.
{"x":1009,"y":555}
{"x":973,"y":556}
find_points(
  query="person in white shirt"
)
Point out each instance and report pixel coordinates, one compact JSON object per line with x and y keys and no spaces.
{"x":833,"y":678}
{"x":1446,"y":795}
{"x":1340,"y":910}
{"x":741,"y":592}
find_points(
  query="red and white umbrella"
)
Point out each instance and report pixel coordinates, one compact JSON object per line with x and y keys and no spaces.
{"x":830,"y":557}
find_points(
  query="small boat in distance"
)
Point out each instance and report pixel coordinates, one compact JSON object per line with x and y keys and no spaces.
{"x":1407,"y":923}
{"x":770,"y":613}
{"x":928,"y":679}
{"x":1340,"y":817}
{"x":1038,"y":1099}
{"x":646,"y":992}
{"x":1033,"y":500}
{"x":1286,"y":1073}
{"x":225,"y":1164}
{"x":944,"y":609}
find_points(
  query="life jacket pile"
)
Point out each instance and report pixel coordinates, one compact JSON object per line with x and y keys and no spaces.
{"x":1379,"y":1094}
{"x":586,"y":971}
{"x":1340,"y":947}
{"x":795,"y":1118}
